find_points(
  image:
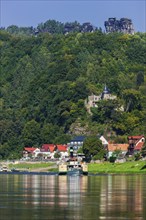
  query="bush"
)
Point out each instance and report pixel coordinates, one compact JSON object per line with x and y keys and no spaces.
{"x":100,"y":155}
{"x":97,"y":157}
{"x":57,"y":155}
{"x":112,"y":159}
{"x":137,"y":156}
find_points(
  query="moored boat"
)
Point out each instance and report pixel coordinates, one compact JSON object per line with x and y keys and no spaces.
{"x":15,"y":170}
{"x":4,"y":168}
{"x":74,"y":168}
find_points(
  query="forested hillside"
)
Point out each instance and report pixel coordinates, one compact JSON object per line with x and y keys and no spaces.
{"x":46,"y":79}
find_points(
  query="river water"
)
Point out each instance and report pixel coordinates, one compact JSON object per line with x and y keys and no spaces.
{"x":44,"y":197}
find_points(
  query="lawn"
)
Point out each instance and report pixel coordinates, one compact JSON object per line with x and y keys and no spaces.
{"x":31,"y":166}
{"x":127,"y":167}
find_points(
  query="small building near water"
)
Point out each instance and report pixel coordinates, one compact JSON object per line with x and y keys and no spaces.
{"x":123,"y":148}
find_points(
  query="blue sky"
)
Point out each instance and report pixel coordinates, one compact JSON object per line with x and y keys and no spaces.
{"x":32,"y":12}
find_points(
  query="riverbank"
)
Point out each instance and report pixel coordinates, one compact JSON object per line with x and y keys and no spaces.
{"x":34,"y":166}
{"x":127,"y":167}
{"x":93,"y":168}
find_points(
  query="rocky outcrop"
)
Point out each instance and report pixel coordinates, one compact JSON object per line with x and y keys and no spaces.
{"x":124,"y":25}
{"x":77,"y":129}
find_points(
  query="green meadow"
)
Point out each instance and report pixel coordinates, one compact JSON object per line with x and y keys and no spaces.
{"x":31,"y":166}
{"x":127,"y":167}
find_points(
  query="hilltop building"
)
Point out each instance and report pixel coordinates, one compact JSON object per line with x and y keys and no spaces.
{"x":94,"y":99}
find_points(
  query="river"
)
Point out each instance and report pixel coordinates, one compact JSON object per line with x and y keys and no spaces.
{"x":44,"y":197}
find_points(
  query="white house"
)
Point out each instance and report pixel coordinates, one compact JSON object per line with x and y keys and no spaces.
{"x":104,"y":141}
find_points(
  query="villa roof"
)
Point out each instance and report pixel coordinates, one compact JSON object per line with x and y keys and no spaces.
{"x":48,"y":147}
{"x":139,"y":146}
{"x":113,"y":147}
{"x":52,"y":148}
{"x":78,"y":138}
{"x":138,"y":137}
{"x":30,"y":149}
{"x":61,"y":147}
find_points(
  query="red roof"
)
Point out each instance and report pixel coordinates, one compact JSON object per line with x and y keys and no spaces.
{"x":52,"y":148}
{"x":136,"y":137}
{"x":62,"y":148}
{"x":30,"y":149}
{"x":48,"y":147}
{"x":139,"y":146}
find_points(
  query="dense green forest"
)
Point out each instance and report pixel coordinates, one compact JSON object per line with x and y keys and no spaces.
{"x":46,"y":79}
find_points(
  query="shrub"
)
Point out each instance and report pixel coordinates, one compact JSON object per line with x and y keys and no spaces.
{"x":57,"y":155}
{"x":112,"y":159}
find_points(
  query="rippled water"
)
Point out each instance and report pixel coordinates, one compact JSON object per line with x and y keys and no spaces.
{"x":30,"y":197}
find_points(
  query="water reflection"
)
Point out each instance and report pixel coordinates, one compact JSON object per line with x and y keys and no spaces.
{"x":122,"y":195}
{"x":63,"y":197}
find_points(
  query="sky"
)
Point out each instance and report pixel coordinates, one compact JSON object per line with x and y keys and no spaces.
{"x":25,"y":13}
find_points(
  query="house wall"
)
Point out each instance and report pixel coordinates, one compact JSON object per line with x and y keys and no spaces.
{"x":111,"y":152}
{"x":141,"y":140}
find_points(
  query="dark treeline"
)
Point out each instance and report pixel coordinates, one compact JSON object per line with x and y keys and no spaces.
{"x":52,"y":27}
{"x":46,"y":79}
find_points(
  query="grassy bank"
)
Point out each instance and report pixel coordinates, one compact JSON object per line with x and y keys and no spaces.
{"x":34,"y":166}
{"x":106,"y":167}
{"x":127,"y":167}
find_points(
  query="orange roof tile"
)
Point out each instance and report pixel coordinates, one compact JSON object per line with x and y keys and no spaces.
{"x":62,"y":147}
{"x":113,"y":147}
{"x":30,"y":149}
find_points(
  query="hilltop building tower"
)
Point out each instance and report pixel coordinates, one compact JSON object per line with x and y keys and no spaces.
{"x":93,"y":100}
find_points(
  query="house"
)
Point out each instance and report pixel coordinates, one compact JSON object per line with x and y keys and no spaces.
{"x":135,"y":144}
{"x":76,"y":143}
{"x":36,"y":152}
{"x":113,"y":147}
{"x":48,"y":147}
{"x":104,"y":141}
{"x":28,"y":152}
{"x":48,"y":150}
{"x":63,"y":150}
